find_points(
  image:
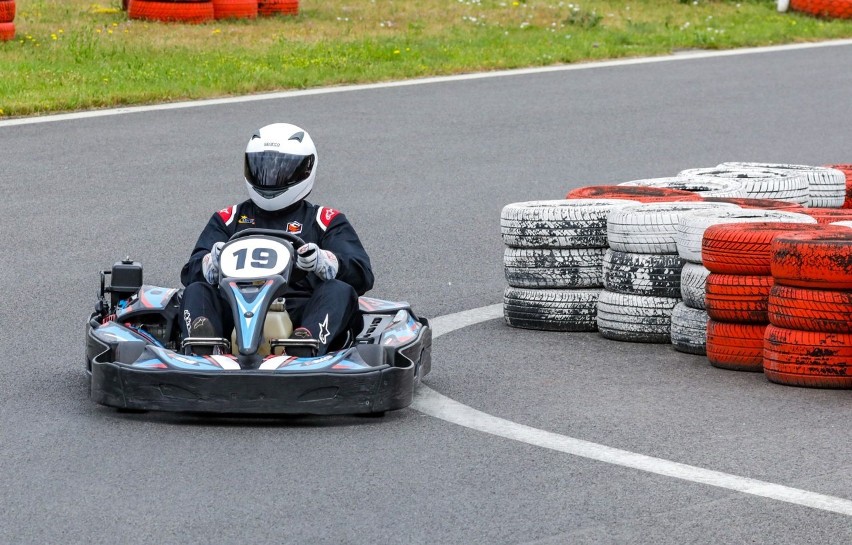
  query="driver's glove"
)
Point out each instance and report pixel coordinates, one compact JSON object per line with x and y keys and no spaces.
{"x":210,"y":264}
{"x":321,"y":262}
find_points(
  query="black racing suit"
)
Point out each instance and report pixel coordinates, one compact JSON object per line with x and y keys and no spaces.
{"x":325,"y":308}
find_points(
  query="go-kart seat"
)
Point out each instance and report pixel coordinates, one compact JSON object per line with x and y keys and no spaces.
{"x":277,"y":326}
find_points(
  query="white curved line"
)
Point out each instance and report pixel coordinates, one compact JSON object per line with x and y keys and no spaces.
{"x":431,"y":403}
{"x":688,"y":55}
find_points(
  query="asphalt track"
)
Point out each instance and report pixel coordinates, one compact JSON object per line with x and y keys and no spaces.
{"x":422,"y":171}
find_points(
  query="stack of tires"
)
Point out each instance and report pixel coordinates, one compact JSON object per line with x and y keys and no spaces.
{"x":826,"y":186}
{"x":553,"y":262}
{"x":7,"y":20}
{"x":846,"y":169}
{"x":782,"y":185}
{"x":809,"y":339}
{"x":172,"y":11}
{"x":690,"y":316}
{"x":642,"y":271}
{"x":737,"y":291}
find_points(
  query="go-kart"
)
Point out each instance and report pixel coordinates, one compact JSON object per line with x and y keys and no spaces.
{"x":138,"y":360}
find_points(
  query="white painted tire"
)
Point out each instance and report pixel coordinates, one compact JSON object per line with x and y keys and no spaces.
{"x":566,"y":223}
{"x":782,"y":185}
{"x":551,"y":310}
{"x":843,"y":223}
{"x":693,"y":284}
{"x":703,"y":187}
{"x":689,"y":329}
{"x":650,"y":228}
{"x":826,"y":186}
{"x":554,"y":267}
{"x":690,"y":229}
{"x":642,"y":274}
{"x":635,"y":318}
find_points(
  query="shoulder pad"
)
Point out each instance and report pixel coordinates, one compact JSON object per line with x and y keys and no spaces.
{"x":325,"y":216}
{"x":228,"y":214}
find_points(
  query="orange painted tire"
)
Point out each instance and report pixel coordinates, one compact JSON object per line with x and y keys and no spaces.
{"x":738,"y":298}
{"x":808,"y":358}
{"x":768,"y":204}
{"x":7,"y":11}
{"x":828,"y":215}
{"x":814,"y":259}
{"x":810,"y":310}
{"x":743,"y":248}
{"x":278,"y":7}
{"x":735,"y":346}
{"x":235,"y":9}
{"x":7,"y":31}
{"x":847,"y":170}
{"x":633,"y":193}
{"x":183,"y":12}
{"x":836,"y":9}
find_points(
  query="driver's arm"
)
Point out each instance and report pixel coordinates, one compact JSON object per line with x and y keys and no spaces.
{"x":214,"y":232}
{"x":354,"y":266}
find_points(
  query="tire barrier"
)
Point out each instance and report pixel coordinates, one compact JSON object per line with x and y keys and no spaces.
{"x":7,"y":11}
{"x":826,"y":186}
{"x":171,"y":12}
{"x":745,"y":248}
{"x":815,"y":359}
{"x":847,"y":171}
{"x":689,"y":329}
{"x":704,"y":188}
{"x":841,"y":223}
{"x":235,"y":9}
{"x":738,"y":298}
{"x":766,"y":204}
{"x":643,"y":194}
{"x":551,"y":310}
{"x":691,"y":227}
{"x":816,"y":259}
{"x":829,"y":215}
{"x":642,"y":271}
{"x":837,"y":9}
{"x":807,"y":309}
{"x":784,"y":185}
{"x":554,"y":262}
{"x":735,"y":346}
{"x":277,"y":7}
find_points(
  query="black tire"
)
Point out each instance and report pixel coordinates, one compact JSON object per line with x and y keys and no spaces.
{"x":642,"y":274}
{"x":551,"y":310}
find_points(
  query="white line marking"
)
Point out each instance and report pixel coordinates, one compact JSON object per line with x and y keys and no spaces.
{"x":431,"y":403}
{"x":689,"y":55}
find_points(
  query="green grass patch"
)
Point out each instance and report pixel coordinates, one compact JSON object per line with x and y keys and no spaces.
{"x":74,"y":54}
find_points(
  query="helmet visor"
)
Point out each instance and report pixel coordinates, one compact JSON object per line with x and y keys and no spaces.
{"x":273,"y":171}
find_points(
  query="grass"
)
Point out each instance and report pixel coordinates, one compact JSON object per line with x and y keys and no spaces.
{"x":73,"y":54}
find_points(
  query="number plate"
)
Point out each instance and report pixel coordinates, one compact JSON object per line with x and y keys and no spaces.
{"x":254,"y":257}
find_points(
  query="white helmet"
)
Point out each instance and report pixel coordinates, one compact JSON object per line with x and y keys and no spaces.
{"x":280,"y":166}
